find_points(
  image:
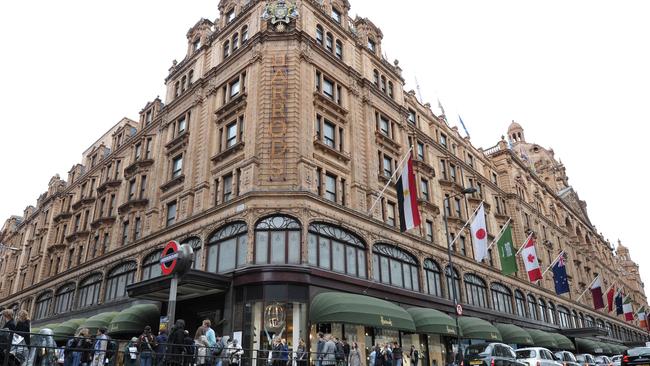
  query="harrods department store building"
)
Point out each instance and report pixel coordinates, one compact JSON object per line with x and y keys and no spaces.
{"x":279,"y":127}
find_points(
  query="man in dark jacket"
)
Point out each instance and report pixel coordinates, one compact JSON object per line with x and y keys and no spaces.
{"x":397,"y":354}
{"x":161,"y":345}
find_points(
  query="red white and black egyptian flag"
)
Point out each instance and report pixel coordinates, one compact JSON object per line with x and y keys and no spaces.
{"x":407,"y":198}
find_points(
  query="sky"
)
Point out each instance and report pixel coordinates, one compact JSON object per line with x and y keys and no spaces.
{"x":575,"y":74}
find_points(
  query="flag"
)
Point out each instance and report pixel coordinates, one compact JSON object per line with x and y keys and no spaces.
{"x":529,"y":255}
{"x":610,"y":299}
{"x":463,"y":124}
{"x":627,"y":309}
{"x":560,"y":277}
{"x":642,"y":320}
{"x":406,"y":199}
{"x":618,"y":300}
{"x":507,"y":253}
{"x":479,"y":235}
{"x":597,"y":293}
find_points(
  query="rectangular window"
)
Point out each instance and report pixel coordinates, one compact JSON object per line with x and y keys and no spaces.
{"x":328,"y":134}
{"x":106,"y":243}
{"x":387,"y":166}
{"x":494,"y":178}
{"x":463,"y":247}
{"x":339,"y":50}
{"x":420,"y":151}
{"x":177,"y":166}
{"x":138,"y":228}
{"x":234,"y":88}
{"x":181,"y":126}
{"x":447,"y":205}
{"x":111,"y":205}
{"x":231,"y":134}
{"x":125,"y":233}
{"x":328,"y":88}
{"x":412,"y":116}
{"x":149,"y":117}
{"x":230,"y":16}
{"x":319,"y":35}
{"x":457,"y":207}
{"x":319,"y":186}
{"x":384,"y":125}
{"x":330,"y":187}
{"x":227,"y":188}
{"x":171,"y":213}
{"x":452,"y":172}
{"x":371,"y":45}
{"x":443,"y":169}
{"x":390,"y":214}
{"x":424,"y":189}
{"x":470,"y":160}
{"x":336,"y":15}
{"x":443,"y":139}
{"x":143,"y":186}
{"x":147,"y":154}
{"x":132,"y":189}
{"x":429,"y":230}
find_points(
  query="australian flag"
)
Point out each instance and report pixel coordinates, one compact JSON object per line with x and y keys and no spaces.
{"x":560,"y":277}
{"x":619,"y":303}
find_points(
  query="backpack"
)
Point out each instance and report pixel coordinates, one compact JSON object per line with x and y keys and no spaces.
{"x":111,"y":348}
{"x":339,"y":354}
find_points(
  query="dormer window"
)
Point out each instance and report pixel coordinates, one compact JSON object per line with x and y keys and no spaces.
{"x":196,"y":44}
{"x":371,"y":45}
{"x":336,"y":15}
{"x":230,"y":16}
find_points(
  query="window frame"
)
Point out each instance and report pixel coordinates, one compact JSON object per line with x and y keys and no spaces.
{"x":322,"y":238}
{"x":272,"y":224}
{"x":394,"y":255}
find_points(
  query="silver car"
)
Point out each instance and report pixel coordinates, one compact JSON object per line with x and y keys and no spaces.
{"x":536,"y":356}
{"x":616,"y":360}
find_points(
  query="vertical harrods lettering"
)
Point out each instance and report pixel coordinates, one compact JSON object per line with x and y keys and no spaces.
{"x":278,"y":123}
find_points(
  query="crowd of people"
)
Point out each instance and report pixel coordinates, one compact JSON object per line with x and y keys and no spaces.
{"x":330,"y":351}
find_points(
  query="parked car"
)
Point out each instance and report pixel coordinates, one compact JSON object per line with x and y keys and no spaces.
{"x":636,"y":356}
{"x":586,"y":359}
{"x":617,"y":360}
{"x":536,"y":356}
{"x":604,"y":361}
{"x":567,"y":358}
{"x":490,"y":354}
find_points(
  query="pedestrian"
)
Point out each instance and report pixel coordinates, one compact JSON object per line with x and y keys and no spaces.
{"x":329,"y":351}
{"x":235,"y":352}
{"x":175,"y":345}
{"x":130,"y":353}
{"x":202,"y":345}
{"x":346,"y":348}
{"x":101,"y":344}
{"x":301,"y":353}
{"x":146,"y":346}
{"x":189,"y":350}
{"x":161,"y":346}
{"x":8,"y":316}
{"x":372,"y":356}
{"x":218,"y":351}
{"x":320,"y":343}
{"x":84,"y":348}
{"x":68,"y":351}
{"x":340,"y":353}
{"x":354,"y":358}
{"x":397,"y":354}
{"x":284,"y":352}
{"x":23,"y":326}
{"x":209,"y":333}
{"x":415,"y":356}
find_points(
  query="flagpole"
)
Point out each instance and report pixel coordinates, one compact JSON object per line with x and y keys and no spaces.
{"x":524,"y":244}
{"x":381,"y":194}
{"x":552,"y":264}
{"x":588,"y":288}
{"x":503,"y":229}
{"x":468,"y":221}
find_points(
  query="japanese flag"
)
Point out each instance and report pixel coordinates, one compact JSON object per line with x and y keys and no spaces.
{"x":479,"y":235}
{"x":529,"y":255}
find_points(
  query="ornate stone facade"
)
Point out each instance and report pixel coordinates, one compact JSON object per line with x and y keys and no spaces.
{"x":298,"y":114}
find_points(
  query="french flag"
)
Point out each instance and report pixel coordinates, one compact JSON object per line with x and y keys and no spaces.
{"x":407,"y":199}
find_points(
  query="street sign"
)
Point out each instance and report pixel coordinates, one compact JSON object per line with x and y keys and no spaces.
{"x":459,"y":309}
{"x":176,"y":258}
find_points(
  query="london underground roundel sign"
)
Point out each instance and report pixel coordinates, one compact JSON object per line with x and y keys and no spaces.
{"x":169,"y":258}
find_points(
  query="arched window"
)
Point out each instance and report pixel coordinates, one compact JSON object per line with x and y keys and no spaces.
{"x":576,"y":320}
{"x":227,"y":247}
{"x":64,"y":298}
{"x":456,"y":284}
{"x":564,"y":316}
{"x":476,"y":291}
{"x":329,"y":42}
{"x":117,"y":280}
{"x":226,"y":49}
{"x":336,"y":249}
{"x":43,"y":303}
{"x":543,"y":310}
{"x":395,"y":267}
{"x":89,"y":290}
{"x":501,"y":298}
{"x":608,"y":326}
{"x":532,"y":307}
{"x":583,"y":324}
{"x":589,"y":321}
{"x":244,"y":34}
{"x":197,"y":248}
{"x":151,"y":266}
{"x":235,"y":42}
{"x":319,"y":34}
{"x":432,"y":277}
{"x":551,"y":313}
{"x":375,"y":77}
{"x":520,"y":303}
{"x":600,"y":324}
{"x":339,"y":49}
{"x":277,"y":241}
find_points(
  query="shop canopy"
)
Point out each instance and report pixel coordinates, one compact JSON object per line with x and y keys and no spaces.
{"x":513,"y":334}
{"x":133,"y":320}
{"x":97,"y":321}
{"x":563,"y":343}
{"x":543,"y":339}
{"x":586,"y":346}
{"x":432,"y":321}
{"x":475,"y":328}
{"x":67,"y":329}
{"x":50,"y":326}
{"x":606,"y":348}
{"x":338,"y":307}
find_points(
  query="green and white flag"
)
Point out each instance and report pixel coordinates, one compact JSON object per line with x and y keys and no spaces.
{"x":507,"y":252}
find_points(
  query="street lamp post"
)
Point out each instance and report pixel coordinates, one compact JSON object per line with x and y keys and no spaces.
{"x":451,"y":261}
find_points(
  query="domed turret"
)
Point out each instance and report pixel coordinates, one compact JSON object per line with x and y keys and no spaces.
{"x":516,"y":132}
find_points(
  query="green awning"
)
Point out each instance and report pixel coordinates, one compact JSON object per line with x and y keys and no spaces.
{"x":338,"y":307}
{"x":432,"y":321}
{"x":543,"y":339}
{"x":563,"y":343}
{"x":50,"y":326}
{"x":134,"y":319}
{"x":513,"y":334}
{"x":97,"y":321}
{"x":67,"y":329}
{"x":475,"y":328}
{"x":585,"y":346}
{"x":603,"y":348}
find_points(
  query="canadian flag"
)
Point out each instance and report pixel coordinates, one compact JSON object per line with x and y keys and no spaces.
{"x":479,"y":235}
{"x":529,"y":255}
